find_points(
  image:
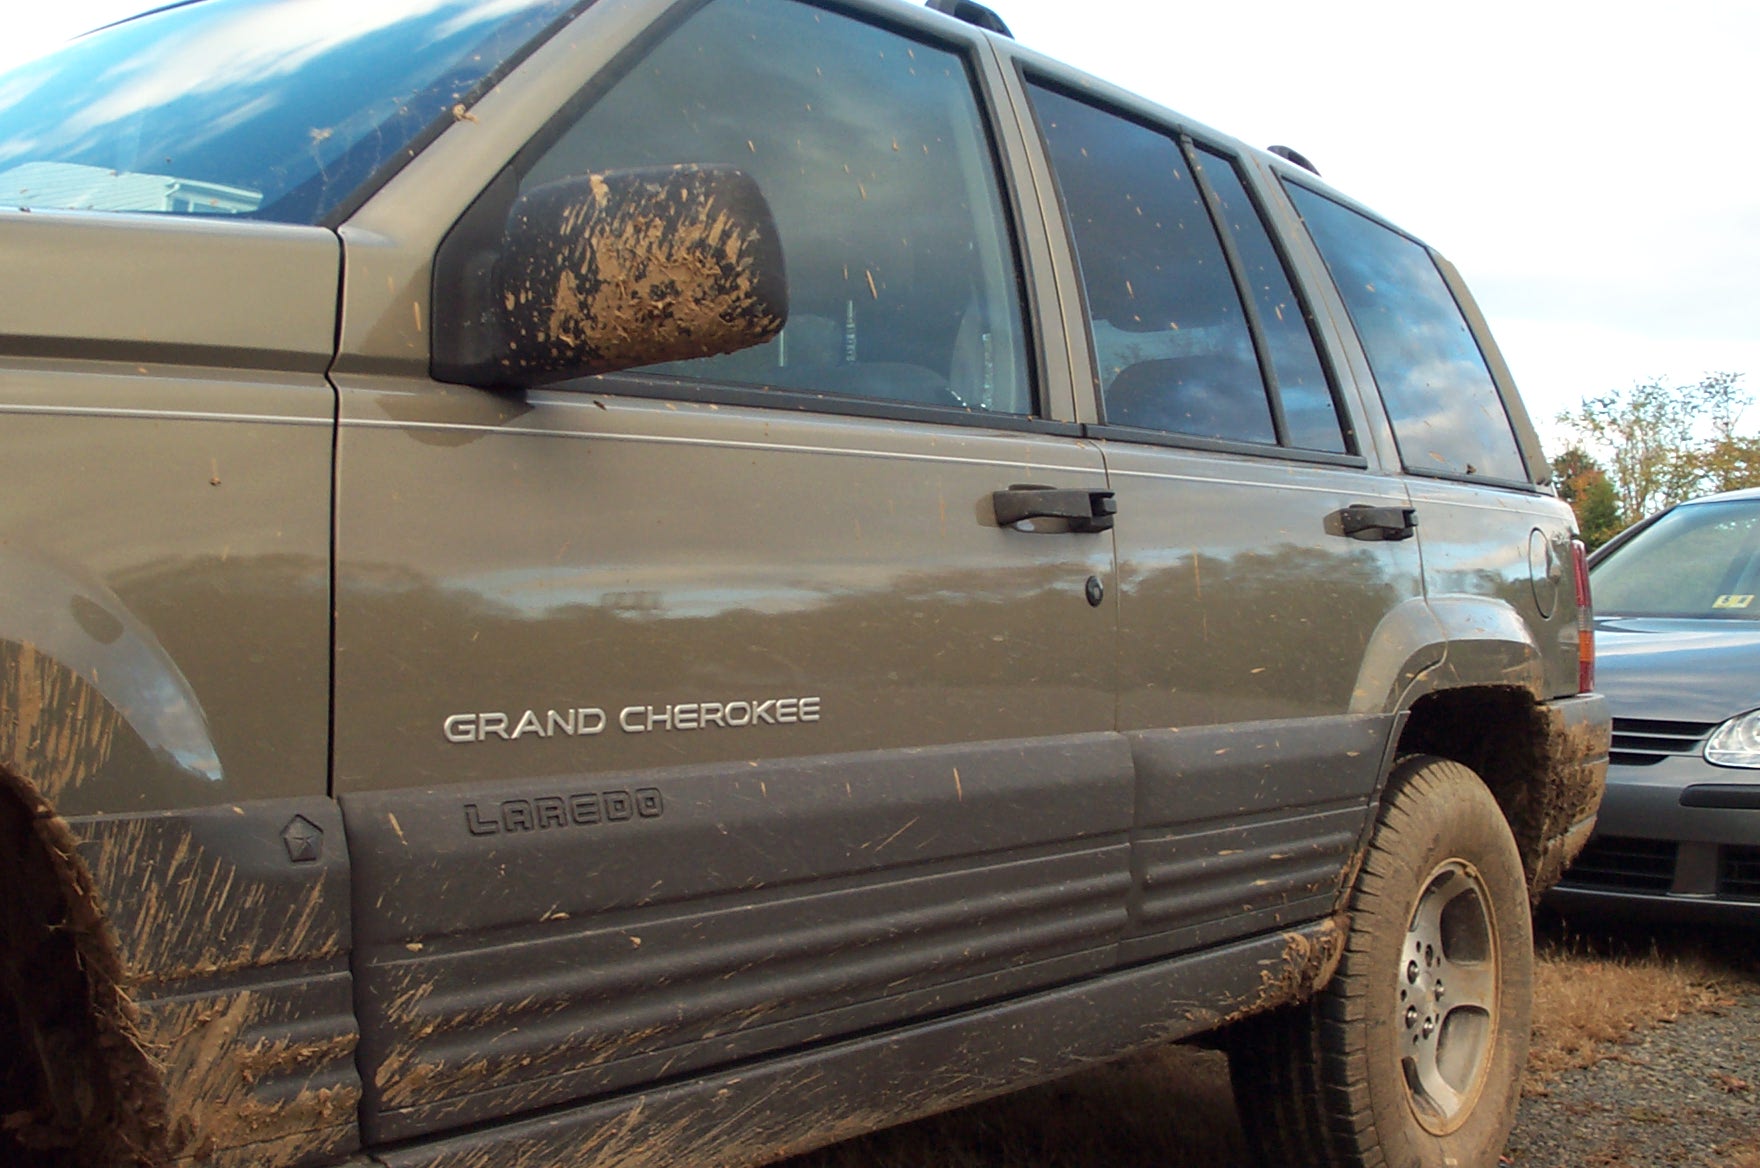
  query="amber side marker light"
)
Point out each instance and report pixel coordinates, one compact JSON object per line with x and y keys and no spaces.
{"x":1585,"y":619}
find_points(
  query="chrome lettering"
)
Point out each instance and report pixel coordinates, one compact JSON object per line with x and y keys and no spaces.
{"x":589,"y":721}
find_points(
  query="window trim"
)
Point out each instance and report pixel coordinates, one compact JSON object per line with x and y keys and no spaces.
{"x":1173,"y":439}
{"x":643,"y":383}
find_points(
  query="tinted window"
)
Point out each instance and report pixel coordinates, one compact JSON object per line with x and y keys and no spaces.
{"x":873,"y":156}
{"x":1170,"y":339}
{"x":267,"y":109}
{"x":1446,"y":412}
{"x":1697,"y":561}
{"x":1310,"y":414}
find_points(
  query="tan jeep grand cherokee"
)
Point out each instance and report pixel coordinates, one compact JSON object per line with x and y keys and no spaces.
{"x":665,"y":581}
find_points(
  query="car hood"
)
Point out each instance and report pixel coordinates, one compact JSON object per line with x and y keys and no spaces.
{"x":1678,"y":670}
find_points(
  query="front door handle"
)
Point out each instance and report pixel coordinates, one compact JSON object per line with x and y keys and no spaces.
{"x":1084,"y":510}
{"x":1360,"y":521}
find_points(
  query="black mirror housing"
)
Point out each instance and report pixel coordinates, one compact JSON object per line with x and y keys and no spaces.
{"x":600,"y":272}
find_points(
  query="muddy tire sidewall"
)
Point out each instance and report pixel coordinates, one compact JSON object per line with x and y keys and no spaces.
{"x":1437,"y":812}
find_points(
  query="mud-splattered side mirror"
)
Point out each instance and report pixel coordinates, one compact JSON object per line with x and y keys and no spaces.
{"x":602,"y":272}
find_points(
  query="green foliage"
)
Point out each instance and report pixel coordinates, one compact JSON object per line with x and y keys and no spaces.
{"x":1598,"y":514}
{"x":1641,"y":449}
{"x":1582,"y":483}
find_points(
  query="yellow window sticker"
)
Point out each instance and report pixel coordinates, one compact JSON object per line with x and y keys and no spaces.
{"x":1736,"y":601}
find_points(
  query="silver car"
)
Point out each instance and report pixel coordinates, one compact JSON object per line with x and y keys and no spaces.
{"x":1677,"y":602}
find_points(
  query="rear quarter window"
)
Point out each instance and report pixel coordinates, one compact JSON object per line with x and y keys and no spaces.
{"x":1447,"y":414}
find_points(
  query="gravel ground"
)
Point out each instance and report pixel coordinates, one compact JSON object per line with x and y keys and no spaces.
{"x":1684,"y":1095}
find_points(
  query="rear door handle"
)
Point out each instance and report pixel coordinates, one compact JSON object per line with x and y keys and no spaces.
{"x":1085,"y":510}
{"x":1360,"y":521}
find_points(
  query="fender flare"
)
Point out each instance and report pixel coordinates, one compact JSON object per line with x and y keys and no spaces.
{"x":75,"y":664}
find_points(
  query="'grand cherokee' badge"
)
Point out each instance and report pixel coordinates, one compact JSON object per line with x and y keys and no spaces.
{"x":587,"y":721}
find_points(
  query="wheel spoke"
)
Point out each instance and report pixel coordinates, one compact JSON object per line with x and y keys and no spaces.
{"x":1427,"y":922}
{"x":1467,"y":984}
{"x":1432,"y":1087}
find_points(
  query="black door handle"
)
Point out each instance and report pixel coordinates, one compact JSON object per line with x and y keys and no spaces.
{"x":1085,"y":510}
{"x":1377,"y":523}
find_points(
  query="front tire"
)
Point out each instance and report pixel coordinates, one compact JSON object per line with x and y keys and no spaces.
{"x":1412,"y":1055}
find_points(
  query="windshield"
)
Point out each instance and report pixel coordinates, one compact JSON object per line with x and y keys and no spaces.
{"x":267,"y":109}
{"x":1701,"y":560}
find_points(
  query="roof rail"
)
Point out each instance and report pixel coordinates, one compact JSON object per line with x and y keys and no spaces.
{"x":971,"y":12}
{"x":1295,"y":156}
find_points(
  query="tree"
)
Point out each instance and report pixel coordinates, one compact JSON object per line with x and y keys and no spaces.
{"x":1663,"y":443}
{"x":1730,"y":461}
{"x":1582,"y":483}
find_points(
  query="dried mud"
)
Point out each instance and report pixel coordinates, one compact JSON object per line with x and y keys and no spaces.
{"x":216,"y":1074}
{"x":641,"y":279}
{"x":55,"y":726}
{"x":92,"y":1097}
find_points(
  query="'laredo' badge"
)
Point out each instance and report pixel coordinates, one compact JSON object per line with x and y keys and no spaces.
{"x":582,"y":809}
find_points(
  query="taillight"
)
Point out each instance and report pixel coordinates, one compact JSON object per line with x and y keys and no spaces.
{"x":1585,"y":619}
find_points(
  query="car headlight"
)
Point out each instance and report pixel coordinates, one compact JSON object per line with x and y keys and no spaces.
{"x":1736,"y":743}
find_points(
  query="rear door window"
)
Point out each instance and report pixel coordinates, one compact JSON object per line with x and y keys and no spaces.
{"x":1171,"y":342}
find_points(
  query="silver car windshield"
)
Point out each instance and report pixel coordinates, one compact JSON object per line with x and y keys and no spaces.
{"x":1701,"y":560}
{"x":285,"y":110}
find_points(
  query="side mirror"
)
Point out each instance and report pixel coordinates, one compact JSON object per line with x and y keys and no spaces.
{"x":602,"y":272}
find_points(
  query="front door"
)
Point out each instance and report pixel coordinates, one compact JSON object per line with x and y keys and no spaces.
{"x":707,"y":710}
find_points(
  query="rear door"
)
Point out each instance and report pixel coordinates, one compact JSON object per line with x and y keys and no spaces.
{"x":1252,"y":582}
{"x":705,"y":710}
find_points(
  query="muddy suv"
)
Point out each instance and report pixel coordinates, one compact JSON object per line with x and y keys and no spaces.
{"x":652,"y":582}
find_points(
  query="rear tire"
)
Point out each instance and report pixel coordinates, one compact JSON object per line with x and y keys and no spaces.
{"x":1412,"y":1055}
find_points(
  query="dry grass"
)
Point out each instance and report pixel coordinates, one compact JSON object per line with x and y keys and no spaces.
{"x":1173,"y":1108}
{"x":1595,"y":992}
{"x":1741,"y":1154}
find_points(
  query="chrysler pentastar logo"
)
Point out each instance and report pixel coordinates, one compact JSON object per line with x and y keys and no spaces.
{"x":589,"y":721}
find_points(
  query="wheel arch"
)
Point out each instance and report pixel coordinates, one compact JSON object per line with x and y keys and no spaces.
{"x":1543,"y":761}
{"x":77,"y":666}
{"x":63,"y":993}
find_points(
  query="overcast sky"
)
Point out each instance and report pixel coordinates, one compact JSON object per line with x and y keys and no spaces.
{"x":1588,"y":167}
